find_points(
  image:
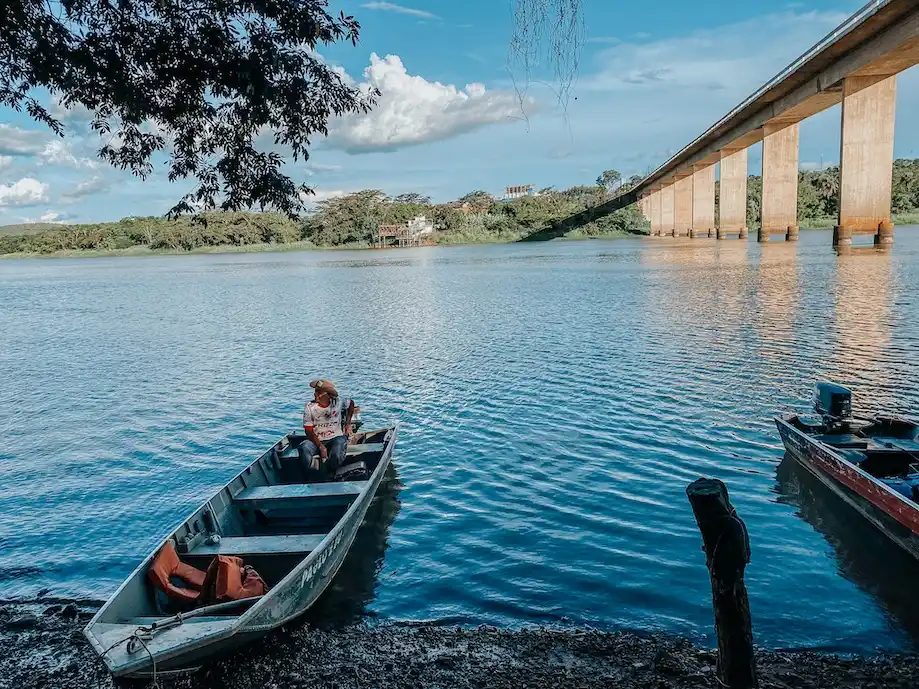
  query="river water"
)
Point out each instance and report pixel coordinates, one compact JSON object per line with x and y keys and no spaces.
{"x":555,"y":400}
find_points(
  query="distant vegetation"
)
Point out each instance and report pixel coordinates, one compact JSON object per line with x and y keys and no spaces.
{"x":818,"y":194}
{"x":476,"y":217}
{"x":349,"y":220}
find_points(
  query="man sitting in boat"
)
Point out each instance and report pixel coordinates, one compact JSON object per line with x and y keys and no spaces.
{"x":327,"y":424}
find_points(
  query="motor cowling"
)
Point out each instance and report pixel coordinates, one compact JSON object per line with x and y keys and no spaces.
{"x":833,"y":401}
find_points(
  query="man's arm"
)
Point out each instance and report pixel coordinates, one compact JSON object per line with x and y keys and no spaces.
{"x":350,"y":413}
{"x":311,"y":434}
{"x":310,"y":431}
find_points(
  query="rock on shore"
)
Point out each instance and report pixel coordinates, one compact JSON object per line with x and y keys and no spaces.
{"x":41,"y":647}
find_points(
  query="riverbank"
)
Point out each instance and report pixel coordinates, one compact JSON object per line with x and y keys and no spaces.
{"x":41,"y":647}
{"x":458,"y":240}
{"x":826,"y":223}
{"x":443,"y":239}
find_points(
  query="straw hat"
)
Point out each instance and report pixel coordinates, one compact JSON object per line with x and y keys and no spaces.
{"x":325,"y":385}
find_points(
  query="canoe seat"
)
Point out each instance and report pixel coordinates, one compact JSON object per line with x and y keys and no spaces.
{"x":356,"y":449}
{"x":844,"y":440}
{"x":296,"y":494}
{"x":365,"y":447}
{"x":262,"y":545}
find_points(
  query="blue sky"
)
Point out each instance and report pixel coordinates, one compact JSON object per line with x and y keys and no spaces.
{"x":450,"y":121}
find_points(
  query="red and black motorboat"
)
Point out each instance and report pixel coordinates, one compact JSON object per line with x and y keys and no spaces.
{"x":872,"y":463}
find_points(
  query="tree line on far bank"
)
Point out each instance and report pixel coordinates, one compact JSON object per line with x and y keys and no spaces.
{"x":353,"y":219}
{"x":818,"y":193}
{"x":349,"y":220}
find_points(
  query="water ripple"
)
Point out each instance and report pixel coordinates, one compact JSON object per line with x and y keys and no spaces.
{"x":555,"y":401}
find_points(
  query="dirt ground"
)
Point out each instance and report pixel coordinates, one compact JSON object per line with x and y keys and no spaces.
{"x":41,"y":647}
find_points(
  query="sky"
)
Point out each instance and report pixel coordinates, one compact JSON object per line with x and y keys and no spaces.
{"x":454,"y":116}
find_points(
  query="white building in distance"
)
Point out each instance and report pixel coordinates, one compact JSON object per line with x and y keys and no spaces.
{"x":515,"y":192}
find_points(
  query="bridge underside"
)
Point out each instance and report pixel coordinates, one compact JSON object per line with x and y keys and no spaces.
{"x":856,"y":66}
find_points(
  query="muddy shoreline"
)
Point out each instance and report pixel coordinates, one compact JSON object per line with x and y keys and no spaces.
{"x":41,"y":647}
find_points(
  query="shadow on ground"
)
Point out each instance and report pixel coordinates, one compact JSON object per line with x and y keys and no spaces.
{"x":572,"y":222}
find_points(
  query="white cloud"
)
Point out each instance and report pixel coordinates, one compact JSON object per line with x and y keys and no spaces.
{"x":25,"y":192}
{"x":52,"y":217}
{"x":640,"y":99}
{"x":313,"y":168}
{"x":48,"y":217}
{"x":712,"y":59}
{"x":76,"y":114}
{"x":399,"y":9}
{"x":609,"y":40}
{"x":412,"y":110}
{"x":21,"y":142}
{"x":321,"y":195}
{"x":88,"y":187}
{"x":5,"y":162}
{"x":57,"y":152}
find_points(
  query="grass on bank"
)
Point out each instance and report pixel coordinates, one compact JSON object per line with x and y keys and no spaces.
{"x":448,"y":239}
{"x":144,"y":250}
{"x":453,"y":238}
{"x":828,"y":222}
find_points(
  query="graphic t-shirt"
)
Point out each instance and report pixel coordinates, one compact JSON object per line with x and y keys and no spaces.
{"x":326,"y":421}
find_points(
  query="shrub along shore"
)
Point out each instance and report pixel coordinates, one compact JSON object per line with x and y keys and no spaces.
{"x":350,"y":221}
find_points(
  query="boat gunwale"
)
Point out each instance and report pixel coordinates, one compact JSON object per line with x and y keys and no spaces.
{"x":374,"y":483}
{"x":232,"y":629}
{"x":913,"y":507}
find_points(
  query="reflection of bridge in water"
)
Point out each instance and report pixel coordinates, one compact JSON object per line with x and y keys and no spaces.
{"x":863,"y":328}
{"x":778,"y":295}
{"x":856,"y":66}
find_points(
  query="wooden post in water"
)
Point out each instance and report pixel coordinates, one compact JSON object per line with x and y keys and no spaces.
{"x":727,"y":552}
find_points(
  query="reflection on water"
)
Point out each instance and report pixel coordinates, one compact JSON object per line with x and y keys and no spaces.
{"x":779,"y":294}
{"x":863,"y":327}
{"x":864,"y":556}
{"x":354,"y":587}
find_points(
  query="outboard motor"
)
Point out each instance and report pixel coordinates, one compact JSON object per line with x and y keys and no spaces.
{"x":834,"y":404}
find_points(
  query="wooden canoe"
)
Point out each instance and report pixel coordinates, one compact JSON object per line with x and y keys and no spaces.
{"x":294,"y":529}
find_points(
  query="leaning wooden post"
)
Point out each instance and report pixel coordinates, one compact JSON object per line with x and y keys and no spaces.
{"x":727,"y":552}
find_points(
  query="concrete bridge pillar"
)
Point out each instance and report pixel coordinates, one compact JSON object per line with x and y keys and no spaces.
{"x":655,"y":203}
{"x":732,"y":201}
{"x":866,"y":159}
{"x":682,"y":207}
{"x":644,"y":205}
{"x":667,"y":210}
{"x":780,"y":181}
{"x":703,"y":200}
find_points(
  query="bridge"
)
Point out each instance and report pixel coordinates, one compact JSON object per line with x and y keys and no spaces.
{"x":855,"y":65}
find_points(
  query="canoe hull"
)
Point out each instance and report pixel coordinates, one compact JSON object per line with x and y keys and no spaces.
{"x":311,"y":577}
{"x":892,"y":514}
{"x":288,"y":599}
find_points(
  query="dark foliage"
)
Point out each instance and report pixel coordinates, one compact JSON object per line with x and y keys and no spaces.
{"x":200,"y":79}
{"x":352,"y":219}
{"x":818,"y":193}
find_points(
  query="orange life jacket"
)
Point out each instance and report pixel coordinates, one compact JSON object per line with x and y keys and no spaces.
{"x":227,"y":579}
{"x":167,"y":565}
